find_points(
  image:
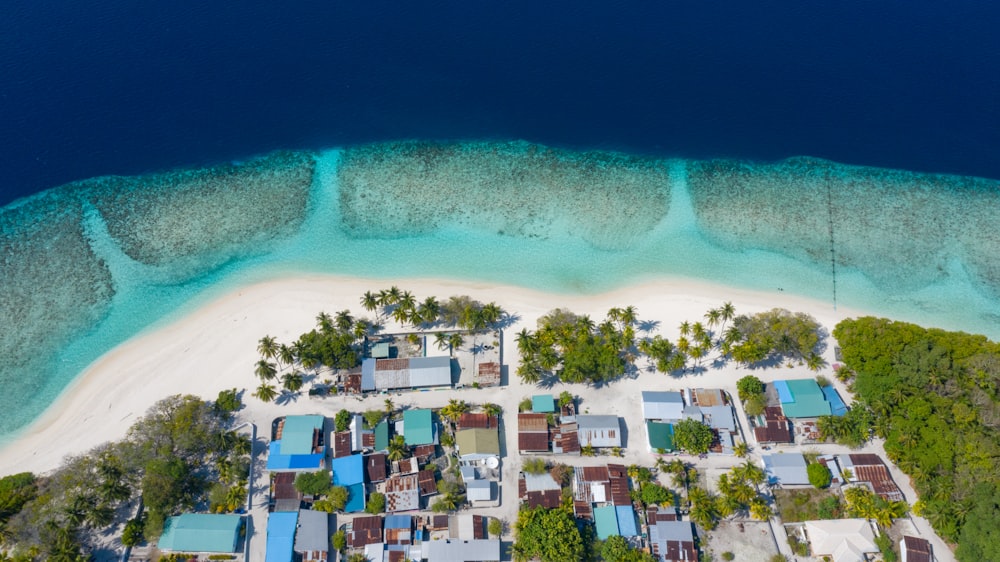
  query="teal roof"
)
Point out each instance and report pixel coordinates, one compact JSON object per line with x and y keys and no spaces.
{"x":543,"y":403}
{"x":807,"y":399}
{"x":382,"y":436}
{"x":201,"y":532}
{"x":606,"y":521}
{"x":661,"y":435}
{"x":418,"y":427}
{"x":297,"y":435}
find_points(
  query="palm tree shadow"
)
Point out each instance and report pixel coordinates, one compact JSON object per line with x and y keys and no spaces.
{"x":508,"y":320}
{"x":647,"y":326}
{"x":287,"y":398}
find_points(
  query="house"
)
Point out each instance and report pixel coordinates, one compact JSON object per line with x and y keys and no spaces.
{"x":662,"y":406}
{"x":298,"y":444}
{"x":599,"y":431}
{"x":532,"y":433}
{"x":357,"y":432}
{"x":479,"y":491}
{"x":711,"y":407}
{"x":341,"y":444}
{"x":869,"y":468}
{"x":843,"y":540}
{"x":786,"y":469}
{"x":543,"y":404}
{"x":426,"y":482}
{"x":349,"y":472}
{"x":476,"y":445}
{"x":375,"y":467}
{"x":467,"y":527}
{"x":281,"y":536}
{"x":402,"y":493}
{"x":801,"y":398}
{"x":398,"y":529}
{"x":201,"y":532}
{"x":408,"y":372}
{"x":775,"y":429}
{"x":364,"y":530}
{"x":284,"y":496}
{"x":312,"y":537}
{"x":488,"y":374}
{"x":914,"y":549}
{"x":539,"y":490}
{"x":469,"y":420}
{"x":671,"y":540}
{"x":418,"y":427}
{"x":595,"y":486}
{"x":610,"y":520}
{"x":382,"y":436}
{"x":483,"y":550}
{"x":659,"y":436}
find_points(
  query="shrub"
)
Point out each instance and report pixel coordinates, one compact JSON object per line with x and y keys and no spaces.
{"x":313,"y":483}
{"x":749,"y":386}
{"x":376,"y":503}
{"x":339,"y":540}
{"x":525,"y":405}
{"x":495,"y":527}
{"x":373,"y":417}
{"x":728,"y":556}
{"x":822,"y":381}
{"x":342,"y":421}
{"x":693,"y":436}
{"x":534,"y":466}
{"x":228,"y":401}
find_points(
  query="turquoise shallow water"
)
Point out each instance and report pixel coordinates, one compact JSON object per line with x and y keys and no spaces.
{"x":88,"y":265}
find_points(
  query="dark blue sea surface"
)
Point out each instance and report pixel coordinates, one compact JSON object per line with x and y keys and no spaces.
{"x":125,"y":87}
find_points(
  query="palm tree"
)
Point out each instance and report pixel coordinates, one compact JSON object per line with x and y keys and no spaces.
{"x":741,"y":449}
{"x":685,"y":328}
{"x":429,"y":310}
{"x":441,"y":340}
{"x":492,"y":313}
{"x":407,"y":302}
{"x":285,"y":355}
{"x":292,"y":382}
{"x":265,"y":392}
{"x":492,"y":409}
{"x":389,"y":406}
{"x":815,"y":362}
{"x":369,"y":301}
{"x":324,"y":322}
{"x":344,"y":321}
{"x":726,"y":313}
{"x":393,"y":295}
{"x":760,"y":510}
{"x":266,"y":371}
{"x":713,"y":317}
{"x":454,"y":410}
{"x":267,"y":347}
{"x":397,"y":448}
{"x":401,"y":315}
{"x":455,"y":341}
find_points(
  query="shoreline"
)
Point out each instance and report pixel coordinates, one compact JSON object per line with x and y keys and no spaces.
{"x":213,"y":347}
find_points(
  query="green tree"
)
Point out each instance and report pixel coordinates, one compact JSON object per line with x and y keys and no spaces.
{"x":292,"y":382}
{"x":549,"y":535}
{"x":397,"y":448}
{"x":335,"y":500}
{"x":228,"y":401}
{"x":339,"y":541}
{"x":655,"y":494}
{"x":267,"y":347}
{"x":373,"y":417}
{"x":265,"y":370}
{"x":342,"y":421}
{"x":819,"y":475}
{"x":265,"y":392}
{"x":313,"y":483}
{"x":693,"y":436}
{"x":749,"y":386}
{"x":376,"y":503}
{"x":534,"y":465}
{"x":617,"y":549}
{"x":132,"y":534}
{"x":495,"y":527}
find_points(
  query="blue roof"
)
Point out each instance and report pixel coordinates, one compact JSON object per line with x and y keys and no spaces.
{"x":543,"y":403}
{"x":297,"y":434}
{"x":277,"y":461}
{"x":606,"y":521}
{"x":281,"y":535}
{"x":348,"y":470}
{"x":626,"y":521}
{"x":367,"y":374}
{"x":784,"y":393}
{"x":398,"y":521}
{"x":355,"y":498}
{"x":837,"y":406}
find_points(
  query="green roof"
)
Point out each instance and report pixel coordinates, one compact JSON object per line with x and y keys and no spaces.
{"x":661,"y":435}
{"x":201,"y":532}
{"x":808,"y":400}
{"x":543,"y":403}
{"x":478,"y":442}
{"x":382,"y":436}
{"x":418,"y":427}
{"x":297,"y":434}
{"x":606,"y":521}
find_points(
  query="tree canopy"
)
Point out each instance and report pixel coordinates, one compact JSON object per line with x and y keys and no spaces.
{"x":550,"y":535}
{"x":819,"y":475}
{"x":693,"y":436}
{"x":575,"y":349}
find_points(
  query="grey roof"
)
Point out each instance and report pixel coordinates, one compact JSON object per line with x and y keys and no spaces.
{"x":468,"y":473}
{"x":599,"y":431}
{"x":462,"y":551}
{"x":367,"y":375}
{"x":720,"y":417}
{"x":540,"y":482}
{"x":693,"y":413}
{"x":786,"y":469}
{"x":430,"y":371}
{"x":664,"y":531}
{"x":667,"y":405}
{"x":313,"y":532}
{"x":479,"y":490}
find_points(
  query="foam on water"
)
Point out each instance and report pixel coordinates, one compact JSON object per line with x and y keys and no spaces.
{"x":89,"y":265}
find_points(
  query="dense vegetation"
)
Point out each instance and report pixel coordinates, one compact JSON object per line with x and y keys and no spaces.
{"x":168,"y":458}
{"x":693,"y":436}
{"x":935,"y":398}
{"x":549,"y":535}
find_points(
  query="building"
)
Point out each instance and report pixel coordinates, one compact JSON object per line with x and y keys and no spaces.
{"x":611,"y":520}
{"x":843,"y":540}
{"x":281,"y":536}
{"x":375,"y":467}
{"x":284,"y":496}
{"x":662,"y":406}
{"x":201,"y":532}
{"x":479,"y":491}
{"x":349,"y":472}
{"x":404,"y":373}
{"x":786,"y":469}
{"x":298,"y":444}
{"x":469,"y":420}
{"x":914,"y":549}
{"x":364,"y":530}
{"x":775,"y":428}
{"x":659,"y":436}
{"x":870,"y":469}
{"x":599,"y":431}
{"x":312,"y":537}
{"x":532,"y":433}
{"x":801,"y":399}
{"x":451,"y":550}
{"x":476,"y":445}
{"x":539,"y":490}
{"x":671,"y":540}
{"x":402,"y":493}
{"x":543,"y":404}
{"x":418,"y":427}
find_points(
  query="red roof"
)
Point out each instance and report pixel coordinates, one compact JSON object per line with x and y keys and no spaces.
{"x":774,"y":432}
{"x":426,"y":482}
{"x":917,"y":549}
{"x":342,"y":444}
{"x":545,"y":498}
{"x":366,"y":529}
{"x":595,"y":473}
{"x":375,"y":467}
{"x":533,"y":441}
{"x":477,"y":421}
{"x":619,"y":491}
{"x":284,"y":486}
{"x":532,"y":422}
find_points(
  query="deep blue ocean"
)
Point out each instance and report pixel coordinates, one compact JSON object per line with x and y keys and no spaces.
{"x":125,"y":87}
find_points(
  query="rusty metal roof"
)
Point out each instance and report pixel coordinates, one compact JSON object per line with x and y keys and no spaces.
{"x":477,"y":421}
{"x":425,"y":479}
{"x":708,"y":397}
{"x":375,"y":467}
{"x":532,"y":422}
{"x":533,"y":441}
{"x":544,"y":498}
{"x":594,"y":473}
{"x":341,"y":444}
{"x":366,"y":529}
{"x":402,"y":493}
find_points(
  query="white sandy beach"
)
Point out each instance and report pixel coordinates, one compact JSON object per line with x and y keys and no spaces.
{"x":214,"y":348}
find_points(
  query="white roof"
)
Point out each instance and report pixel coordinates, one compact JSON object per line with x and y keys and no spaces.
{"x":599,"y":431}
{"x":479,"y":490}
{"x":540,"y":482}
{"x":845,"y":540}
{"x":788,"y":469}
{"x":462,"y":551}
{"x":720,"y":417}
{"x":668,"y":405}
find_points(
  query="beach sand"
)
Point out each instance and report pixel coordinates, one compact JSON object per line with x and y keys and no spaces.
{"x":214,"y":348}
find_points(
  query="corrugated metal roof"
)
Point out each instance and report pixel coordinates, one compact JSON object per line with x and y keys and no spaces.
{"x":299,"y":436}
{"x":280,"y":536}
{"x":627,"y":525}
{"x":662,"y":405}
{"x":430,"y":371}
{"x":348,"y":470}
{"x":365,"y":529}
{"x":313,"y":532}
{"x":201,"y":532}
{"x":368,"y":375}
{"x":543,"y":403}
{"x":533,"y":441}
{"x":475,"y":421}
{"x":532,"y":422}
{"x":708,"y":397}
{"x":462,"y":551}
{"x":402,"y":493}
{"x":606,"y":521}
{"x":788,"y":469}
{"x":418,"y":427}
{"x":599,"y":431}
{"x":375,"y":467}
